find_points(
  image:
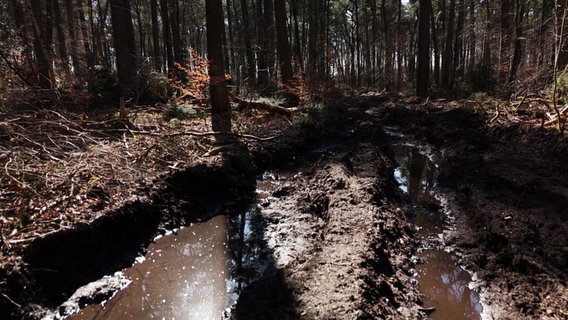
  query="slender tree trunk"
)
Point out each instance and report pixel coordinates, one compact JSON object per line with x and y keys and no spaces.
{"x":230,"y":41}
{"x":221,"y":107}
{"x":173,"y":9}
{"x":83,"y":38}
{"x":436,"y":49}
{"x":167,"y":34}
{"x":297,"y":38}
{"x":270,"y":34}
{"x":76,"y":49}
{"x":545,"y":56}
{"x":519,"y":40}
{"x":42,"y":46}
{"x":265,"y":44}
{"x":140,"y":29}
{"x":357,"y":42}
{"x":284,"y":54}
{"x":62,"y":51}
{"x":506,"y":33}
{"x":423,"y":70}
{"x":313,"y":54}
{"x":459,"y":61}
{"x":399,"y":46}
{"x":249,"y":52}
{"x":388,"y":46}
{"x":124,"y":45}
{"x":448,"y":57}
{"x":156,"y":35}
{"x":473,"y":37}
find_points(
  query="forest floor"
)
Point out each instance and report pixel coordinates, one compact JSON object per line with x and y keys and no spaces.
{"x":84,"y":191}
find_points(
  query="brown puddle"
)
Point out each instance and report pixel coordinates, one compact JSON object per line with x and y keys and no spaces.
{"x":196,"y":273}
{"x":444,"y":284}
{"x":183,"y":276}
{"x":445,"y":287}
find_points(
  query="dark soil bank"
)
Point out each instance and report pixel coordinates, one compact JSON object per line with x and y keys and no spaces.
{"x":508,"y":186}
{"x":337,"y":227}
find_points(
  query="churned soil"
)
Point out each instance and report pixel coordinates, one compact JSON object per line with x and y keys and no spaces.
{"x":336,"y":225}
{"x":507,"y":181}
{"x":341,"y":244}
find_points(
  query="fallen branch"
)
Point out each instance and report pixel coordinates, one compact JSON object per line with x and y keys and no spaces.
{"x":555,"y":117}
{"x":7,"y":298}
{"x":262,"y":106}
{"x":186,"y":133}
{"x":497,"y":114}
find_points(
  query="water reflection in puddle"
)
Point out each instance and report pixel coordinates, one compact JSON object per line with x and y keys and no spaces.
{"x":445,"y":287}
{"x":443,"y":283}
{"x":183,"y":276}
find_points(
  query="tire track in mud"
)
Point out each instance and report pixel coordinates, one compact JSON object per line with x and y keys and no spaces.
{"x":342,"y":246}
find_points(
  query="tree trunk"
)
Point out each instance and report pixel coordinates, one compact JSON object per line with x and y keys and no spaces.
{"x":459,"y":52}
{"x":61,"y":39}
{"x":76,"y":51}
{"x":423,"y":70}
{"x":155,"y":35}
{"x":473,"y":37}
{"x":230,"y":44}
{"x":297,"y":38}
{"x":125,"y":46}
{"x":173,"y":9}
{"x":265,"y":36}
{"x":388,"y":46}
{"x":399,"y":46}
{"x":545,"y":56}
{"x":167,"y":34}
{"x":448,"y":57}
{"x":519,"y":40}
{"x":249,"y":52}
{"x":436,"y":49}
{"x":42,"y":46}
{"x":221,"y":107}
{"x":284,"y":54}
{"x":506,"y":33}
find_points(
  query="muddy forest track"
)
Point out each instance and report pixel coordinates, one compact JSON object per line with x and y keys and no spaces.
{"x":351,"y":247}
{"x":509,"y":186}
{"x":338,"y":230}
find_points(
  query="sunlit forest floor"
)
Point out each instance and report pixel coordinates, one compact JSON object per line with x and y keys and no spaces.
{"x":69,"y":164}
{"x":65,"y":164}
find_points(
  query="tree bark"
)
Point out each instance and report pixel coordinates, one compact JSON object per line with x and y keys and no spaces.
{"x":61,"y":39}
{"x":155,"y":35}
{"x":423,"y":70}
{"x":519,"y":40}
{"x":264,"y":29}
{"x":173,"y":9}
{"x":506,"y":33}
{"x":448,"y":57}
{"x":167,"y":34}
{"x":124,"y":45}
{"x":42,"y":46}
{"x":284,"y":54}
{"x":220,"y":104}
{"x":249,"y":52}
{"x":388,"y":45}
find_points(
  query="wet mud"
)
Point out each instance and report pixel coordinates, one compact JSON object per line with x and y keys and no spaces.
{"x":323,"y":229}
{"x":444,"y":284}
{"x":508,"y":188}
